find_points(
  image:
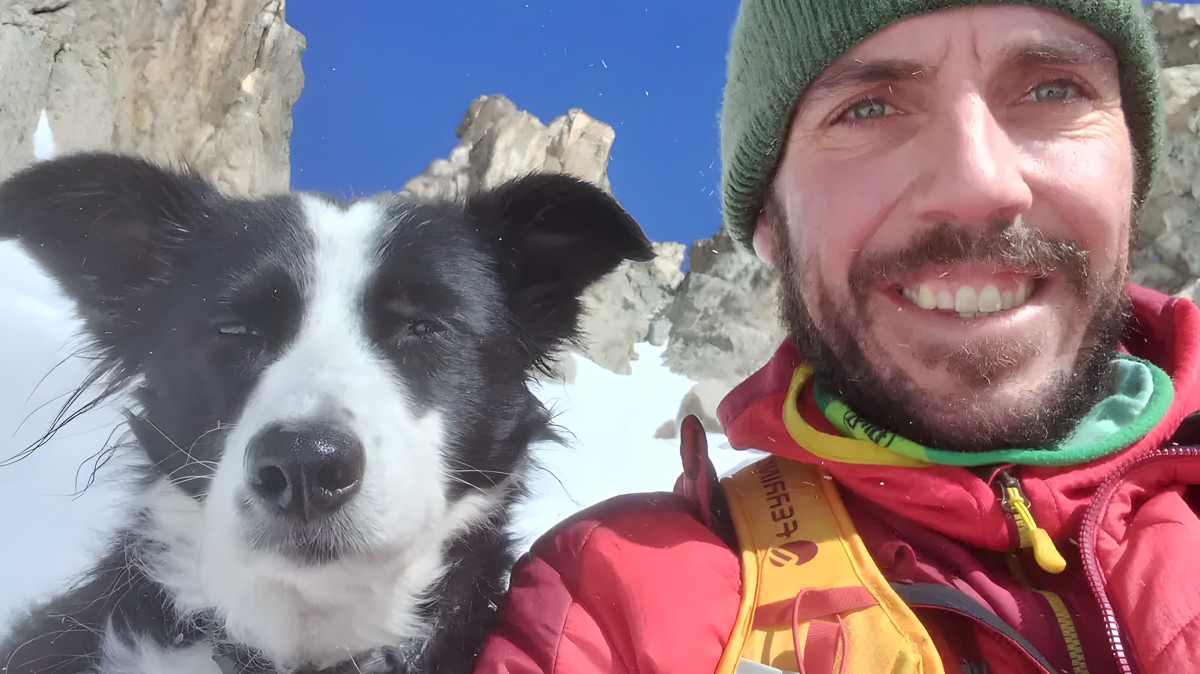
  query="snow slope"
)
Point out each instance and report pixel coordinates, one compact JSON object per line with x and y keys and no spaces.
{"x":49,"y":529}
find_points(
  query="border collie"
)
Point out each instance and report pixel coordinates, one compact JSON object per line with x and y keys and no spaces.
{"x":329,"y":404}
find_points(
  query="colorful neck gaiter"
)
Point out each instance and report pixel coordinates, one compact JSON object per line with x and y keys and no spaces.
{"x":1140,"y":395}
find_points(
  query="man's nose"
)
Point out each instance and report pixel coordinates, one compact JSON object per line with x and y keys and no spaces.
{"x":973,"y":171}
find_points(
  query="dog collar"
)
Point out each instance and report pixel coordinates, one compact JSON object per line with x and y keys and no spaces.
{"x":241,"y":659}
{"x":236,"y":659}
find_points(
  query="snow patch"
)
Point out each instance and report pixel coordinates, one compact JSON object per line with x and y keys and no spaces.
{"x":50,"y":526}
{"x":43,"y":139}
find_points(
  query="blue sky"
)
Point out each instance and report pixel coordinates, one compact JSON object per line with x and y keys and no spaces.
{"x":387,"y":82}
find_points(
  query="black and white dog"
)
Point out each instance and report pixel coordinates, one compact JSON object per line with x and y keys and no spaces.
{"x":331,"y":402}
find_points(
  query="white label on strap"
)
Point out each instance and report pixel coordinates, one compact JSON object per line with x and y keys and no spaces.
{"x":750,"y":667}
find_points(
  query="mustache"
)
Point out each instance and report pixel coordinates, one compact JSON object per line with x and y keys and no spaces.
{"x":1005,"y":244}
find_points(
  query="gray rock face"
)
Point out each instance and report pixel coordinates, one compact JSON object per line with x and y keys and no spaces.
{"x":724,"y":322}
{"x":207,"y":83}
{"x":1168,"y":252}
{"x":627,"y":306}
{"x":498,"y":142}
{"x":1178,"y":29}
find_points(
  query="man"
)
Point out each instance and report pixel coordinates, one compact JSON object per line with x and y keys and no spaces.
{"x":978,"y":430}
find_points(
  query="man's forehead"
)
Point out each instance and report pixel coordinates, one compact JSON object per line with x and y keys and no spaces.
{"x":998,"y":36}
{"x":990,"y":29}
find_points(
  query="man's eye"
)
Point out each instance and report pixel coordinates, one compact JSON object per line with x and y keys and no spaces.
{"x":868,"y":108}
{"x":1058,"y":90}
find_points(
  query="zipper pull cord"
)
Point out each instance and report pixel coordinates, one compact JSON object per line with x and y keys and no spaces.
{"x":1044,"y":553}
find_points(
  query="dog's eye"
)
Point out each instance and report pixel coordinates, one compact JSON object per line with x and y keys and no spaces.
{"x":237,"y":330}
{"x":423,"y":328}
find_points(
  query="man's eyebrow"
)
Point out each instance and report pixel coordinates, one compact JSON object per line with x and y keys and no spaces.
{"x":852,"y":73}
{"x":1060,"y":50}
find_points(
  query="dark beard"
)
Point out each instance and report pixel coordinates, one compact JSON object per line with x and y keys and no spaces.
{"x":892,"y":400}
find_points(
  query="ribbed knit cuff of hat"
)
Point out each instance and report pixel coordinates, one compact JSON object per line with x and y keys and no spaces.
{"x":779,"y":46}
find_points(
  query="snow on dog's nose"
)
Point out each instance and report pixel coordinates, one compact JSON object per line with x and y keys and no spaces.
{"x":305,"y":472}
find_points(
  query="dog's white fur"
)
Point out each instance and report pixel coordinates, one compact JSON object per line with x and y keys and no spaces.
{"x":121,"y":656}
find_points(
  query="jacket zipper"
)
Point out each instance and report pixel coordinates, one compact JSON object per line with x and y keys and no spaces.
{"x":1088,"y":533}
{"x":1017,"y":505}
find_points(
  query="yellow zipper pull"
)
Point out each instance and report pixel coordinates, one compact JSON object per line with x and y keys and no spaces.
{"x":1016,"y":503}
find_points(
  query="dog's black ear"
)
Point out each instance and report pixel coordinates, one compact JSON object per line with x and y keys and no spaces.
{"x":102,"y":224}
{"x":555,"y":236}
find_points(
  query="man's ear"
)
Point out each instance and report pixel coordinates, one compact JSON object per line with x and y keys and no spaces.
{"x":555,"y":235}
{"x":103,"y":225}
{"x":764,"y":239}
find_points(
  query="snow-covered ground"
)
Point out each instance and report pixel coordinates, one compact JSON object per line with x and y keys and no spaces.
{"x":49,"y":530}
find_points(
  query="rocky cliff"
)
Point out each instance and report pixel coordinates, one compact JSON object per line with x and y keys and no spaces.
{"x":207,"y":83}
{"x":498,"y":142}
{"x":1176,"y":24}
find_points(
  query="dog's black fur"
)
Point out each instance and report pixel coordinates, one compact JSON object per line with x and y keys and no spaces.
{"x":209,"y":311}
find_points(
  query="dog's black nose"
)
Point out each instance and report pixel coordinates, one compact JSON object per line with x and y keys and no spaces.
{"x":304,"y":471}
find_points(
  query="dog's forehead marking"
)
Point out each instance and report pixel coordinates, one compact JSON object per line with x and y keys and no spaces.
{"x":346,"y":243}
{"x":342,"y":256}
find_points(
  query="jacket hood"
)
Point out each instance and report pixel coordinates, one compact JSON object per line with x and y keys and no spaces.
{"x":1164,"y":330}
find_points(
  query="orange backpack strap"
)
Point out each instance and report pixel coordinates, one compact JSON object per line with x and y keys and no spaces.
{"x":813,"y":600}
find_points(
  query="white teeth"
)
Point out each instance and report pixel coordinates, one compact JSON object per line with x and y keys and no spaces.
{"x":989,"y":300}
{"x":925,"y":298}
{"x":966,"y":300}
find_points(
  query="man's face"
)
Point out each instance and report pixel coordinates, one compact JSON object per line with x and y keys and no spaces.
{"x":951,"y":217}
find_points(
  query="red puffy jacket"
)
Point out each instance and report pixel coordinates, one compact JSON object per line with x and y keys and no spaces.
{"x":640,"y":584}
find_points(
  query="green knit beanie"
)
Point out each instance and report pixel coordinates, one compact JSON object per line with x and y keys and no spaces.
{"x":779,"y":46}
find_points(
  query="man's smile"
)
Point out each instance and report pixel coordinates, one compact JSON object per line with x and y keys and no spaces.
{"x":968,"y":291}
